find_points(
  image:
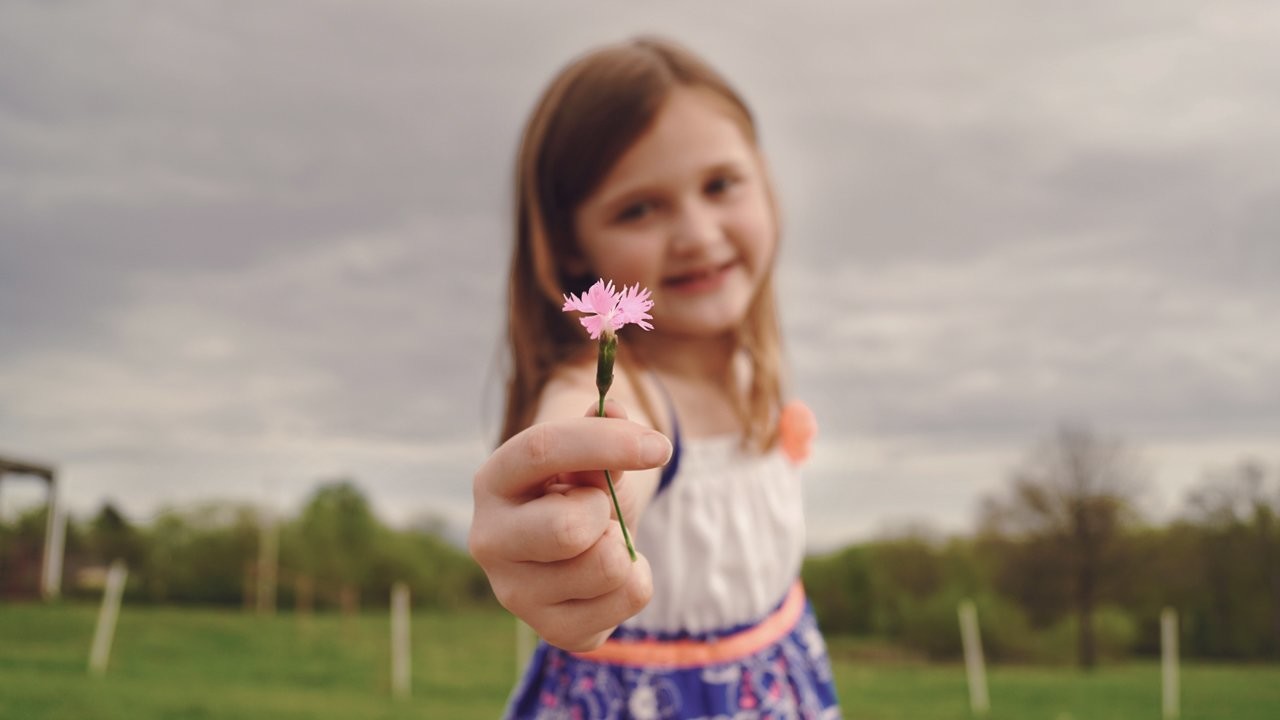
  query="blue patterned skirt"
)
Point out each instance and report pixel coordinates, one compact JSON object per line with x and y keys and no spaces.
{"x":776,"y":669}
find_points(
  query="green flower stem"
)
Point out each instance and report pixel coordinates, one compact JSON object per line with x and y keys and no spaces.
{"x":631,"y":550}
{"x":604,"y":378}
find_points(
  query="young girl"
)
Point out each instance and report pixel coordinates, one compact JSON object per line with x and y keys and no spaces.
{"x":640,"y":164}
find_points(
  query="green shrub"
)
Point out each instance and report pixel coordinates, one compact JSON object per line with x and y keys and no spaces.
{"x":1114,"y":632}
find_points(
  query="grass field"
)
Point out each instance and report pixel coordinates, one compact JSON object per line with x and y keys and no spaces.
{"x":206,"y":664}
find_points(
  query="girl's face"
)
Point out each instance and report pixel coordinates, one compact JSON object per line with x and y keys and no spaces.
{"x":686,"y":213}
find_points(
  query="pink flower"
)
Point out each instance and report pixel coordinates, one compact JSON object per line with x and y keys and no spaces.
{"x":609,"y":310}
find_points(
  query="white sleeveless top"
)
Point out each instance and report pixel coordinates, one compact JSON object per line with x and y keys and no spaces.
{"x":725,"y":538}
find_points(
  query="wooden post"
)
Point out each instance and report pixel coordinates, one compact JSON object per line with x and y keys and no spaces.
{"x":54,"y":545}
{"x":46,"y":559}
{"x":50,"y":578}
{"x":400,"y":640}
{"x":975,"y":666}
{"x":102,"y":636}
{"x":1169,"y":663}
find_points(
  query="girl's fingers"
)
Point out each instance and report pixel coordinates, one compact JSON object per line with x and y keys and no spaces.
{"x":552,"y":528}
{"x":580,"y":625}
{"x":523,"y":464}
{"x":601,"y":569}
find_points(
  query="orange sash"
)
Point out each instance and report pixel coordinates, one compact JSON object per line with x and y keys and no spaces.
{"x":692,"y":653}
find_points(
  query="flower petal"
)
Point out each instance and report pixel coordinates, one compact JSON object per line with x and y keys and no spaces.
{"x":574,"y":303}
{"x":594,"y":325}
{"x":633,"y":306}
{"x":610,"y":309}
{"x":601,"y":298}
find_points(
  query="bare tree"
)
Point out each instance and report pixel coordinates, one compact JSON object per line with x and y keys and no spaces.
{"x":1070,"y":501}
{"x":1240,"y":515}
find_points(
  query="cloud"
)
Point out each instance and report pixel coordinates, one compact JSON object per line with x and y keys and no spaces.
{"x":251,"y":248}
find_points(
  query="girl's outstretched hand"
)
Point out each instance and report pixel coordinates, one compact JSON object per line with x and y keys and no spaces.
{"x":544,"y":531}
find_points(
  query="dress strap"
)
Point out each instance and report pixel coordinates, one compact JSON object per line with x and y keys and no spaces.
{"x":673,"y":465}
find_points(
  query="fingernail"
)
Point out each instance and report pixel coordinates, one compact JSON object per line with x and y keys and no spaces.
{"x":655,"y":449}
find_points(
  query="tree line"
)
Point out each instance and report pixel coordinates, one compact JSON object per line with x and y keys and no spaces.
{"x":334,"y":554}
{"x":1062,"y":566}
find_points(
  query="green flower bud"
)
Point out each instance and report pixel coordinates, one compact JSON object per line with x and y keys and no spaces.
{"x":604,"y":364}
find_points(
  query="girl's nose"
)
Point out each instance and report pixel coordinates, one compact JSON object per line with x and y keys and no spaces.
{"x":696,"y":226}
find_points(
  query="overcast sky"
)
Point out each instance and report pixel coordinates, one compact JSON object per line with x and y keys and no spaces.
{"x":247,"y":247}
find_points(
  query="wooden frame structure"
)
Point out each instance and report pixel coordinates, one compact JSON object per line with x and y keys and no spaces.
{"x":55,"y":525}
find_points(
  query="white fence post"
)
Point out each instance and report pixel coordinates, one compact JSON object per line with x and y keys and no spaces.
{"x":1169,"y":662}
{"x":54,"y":549}
{"x":975,"y":666}
{"x":400,"y":640}
{"x":100,"y":652}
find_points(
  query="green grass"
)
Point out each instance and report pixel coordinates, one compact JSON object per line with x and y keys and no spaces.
{"x":205,"y":664}
{"x":183,"y":663}
{"x":1127,"y":692}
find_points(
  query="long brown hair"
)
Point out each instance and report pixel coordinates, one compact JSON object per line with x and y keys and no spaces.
{"x":588,"y":116}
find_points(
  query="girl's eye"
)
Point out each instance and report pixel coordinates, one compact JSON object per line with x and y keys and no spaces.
{"x":635,"y":211}
{"x":720,"y":185}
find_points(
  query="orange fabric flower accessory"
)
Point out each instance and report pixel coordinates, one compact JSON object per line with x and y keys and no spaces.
{"x":797,"y":427}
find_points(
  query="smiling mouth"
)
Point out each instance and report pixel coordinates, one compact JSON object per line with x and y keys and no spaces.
{"x":699,"y":278}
